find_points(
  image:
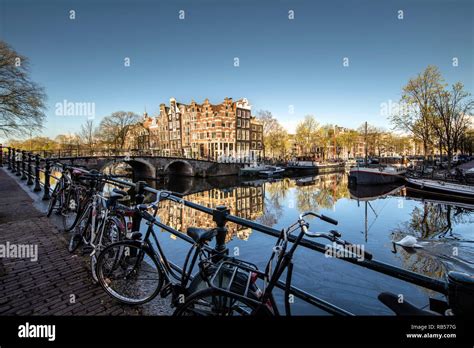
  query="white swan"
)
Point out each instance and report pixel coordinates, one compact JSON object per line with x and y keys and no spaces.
{"x":409,"y":242}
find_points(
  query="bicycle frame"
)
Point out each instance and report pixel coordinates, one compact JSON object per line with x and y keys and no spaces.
{"x":172,"y":279}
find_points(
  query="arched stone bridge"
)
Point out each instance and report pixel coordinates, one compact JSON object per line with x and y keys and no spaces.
{"x":153,"y":166}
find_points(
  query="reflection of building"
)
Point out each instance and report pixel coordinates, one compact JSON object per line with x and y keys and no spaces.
{"x":245,"y":202}
{"x":226,"y":130}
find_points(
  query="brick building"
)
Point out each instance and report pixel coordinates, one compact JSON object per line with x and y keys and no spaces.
{"x":225,"y":131}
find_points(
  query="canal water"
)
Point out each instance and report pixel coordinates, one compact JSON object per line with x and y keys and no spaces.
{"x":370,"y":216}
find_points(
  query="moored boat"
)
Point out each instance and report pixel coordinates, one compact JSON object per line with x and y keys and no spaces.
{"x":442,"y":186}
{"x":375,"y":175}
{"x":272,"y":171}
{"x":253,"y":169}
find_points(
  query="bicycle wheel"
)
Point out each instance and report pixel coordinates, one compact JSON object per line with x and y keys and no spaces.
{"x":71,"y":209}
{"x":128,"y":272}
{"x":113,"y":232}
{"x":55,"y":200}
{"x":81,"y":231}
{"x":215,"y":302}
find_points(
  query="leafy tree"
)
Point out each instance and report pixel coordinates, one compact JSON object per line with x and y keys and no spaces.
{"x":275,"y":137}
{"x":452,"y":117}
{"x":416,"y":117}
{"x":307,"y":135}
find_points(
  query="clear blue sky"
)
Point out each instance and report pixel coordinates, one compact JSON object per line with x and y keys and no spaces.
{"x":282,"y":62}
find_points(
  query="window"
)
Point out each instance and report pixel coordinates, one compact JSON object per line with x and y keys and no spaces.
{"x":223,"y":134}
{"x":238,"y":122}
{"x":238,"y":112}
{"x":223,"y":124}
{"x":213,"y":135}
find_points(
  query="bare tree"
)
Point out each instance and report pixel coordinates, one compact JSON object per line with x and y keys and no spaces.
{"x":87,"y":135}
{"x":114,"y":129}
{"x":21,"y":100}
{"x":452,"y":117}
{"x":270,"y":124}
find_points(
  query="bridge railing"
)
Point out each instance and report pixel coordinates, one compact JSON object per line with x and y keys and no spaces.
{"x":105,"y":152}
{"x":20,"y":163}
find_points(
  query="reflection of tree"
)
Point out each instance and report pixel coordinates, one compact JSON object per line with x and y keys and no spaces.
{"x":432,"y":219}
{"x":422,"y":263}
{"x":428,"y":221}
{"x":323,"y":194}
{"x":276,"y":193}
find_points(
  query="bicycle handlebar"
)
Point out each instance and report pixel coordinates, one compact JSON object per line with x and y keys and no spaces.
{"x":322,"y":217}
{"x":333,"y":236}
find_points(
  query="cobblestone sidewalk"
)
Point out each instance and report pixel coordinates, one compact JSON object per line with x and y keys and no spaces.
{"x":58,"y":283}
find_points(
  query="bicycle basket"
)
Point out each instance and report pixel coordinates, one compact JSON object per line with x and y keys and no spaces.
{"x":237,"y":277}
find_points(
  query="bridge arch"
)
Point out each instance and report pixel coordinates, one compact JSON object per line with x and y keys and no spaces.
{"x":179,"y":167}
{"x":141,"y":168}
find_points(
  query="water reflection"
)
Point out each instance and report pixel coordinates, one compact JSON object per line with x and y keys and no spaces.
{"x":372,"y":216}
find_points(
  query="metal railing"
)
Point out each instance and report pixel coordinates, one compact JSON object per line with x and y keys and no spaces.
{"x":90,"y":153}
{"x":20,"y":163}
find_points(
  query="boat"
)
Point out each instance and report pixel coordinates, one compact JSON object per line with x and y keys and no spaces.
{"x":253,"y":169}
{"x":304,"y":165}
{"x":375,"y":175}
{"x":440,"y":186}
{"x":272,"y":171}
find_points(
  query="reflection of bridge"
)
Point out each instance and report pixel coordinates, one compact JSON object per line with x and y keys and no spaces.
{"x":153,"y":166}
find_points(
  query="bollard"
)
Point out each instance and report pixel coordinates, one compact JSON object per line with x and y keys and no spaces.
{"x":23,"y":165}
{"x":9,"y":158}
{"x":47,"y":172}
{"x":18,"y":163}
{"x":30,"y":170}
{"x":37,"y":174}
{"x":139,"y":197}
{"x":219,"y":216}
{"x":13,"y":159}
{"x":1,"y":155}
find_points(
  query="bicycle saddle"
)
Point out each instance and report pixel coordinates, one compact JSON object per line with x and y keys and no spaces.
{"x":404,"y":308}
{"x":119,"y":192}
{"x":115,"y":195}
{"x":201,"y":235}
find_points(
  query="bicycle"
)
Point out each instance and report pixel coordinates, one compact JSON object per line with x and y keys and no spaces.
{"x":101,"y":221}
{"x":135,"y":271}
{"x":67,"y":196}
{"x":221,"y":297}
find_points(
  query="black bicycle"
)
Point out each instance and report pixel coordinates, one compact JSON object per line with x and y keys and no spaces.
{"x":137,"y":270}
{"x":233,"y":286}
{"x":102,"y":220}
{"x":67,"y":196}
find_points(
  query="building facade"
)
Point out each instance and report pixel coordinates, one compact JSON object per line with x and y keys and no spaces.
{"x":225,"y":131}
